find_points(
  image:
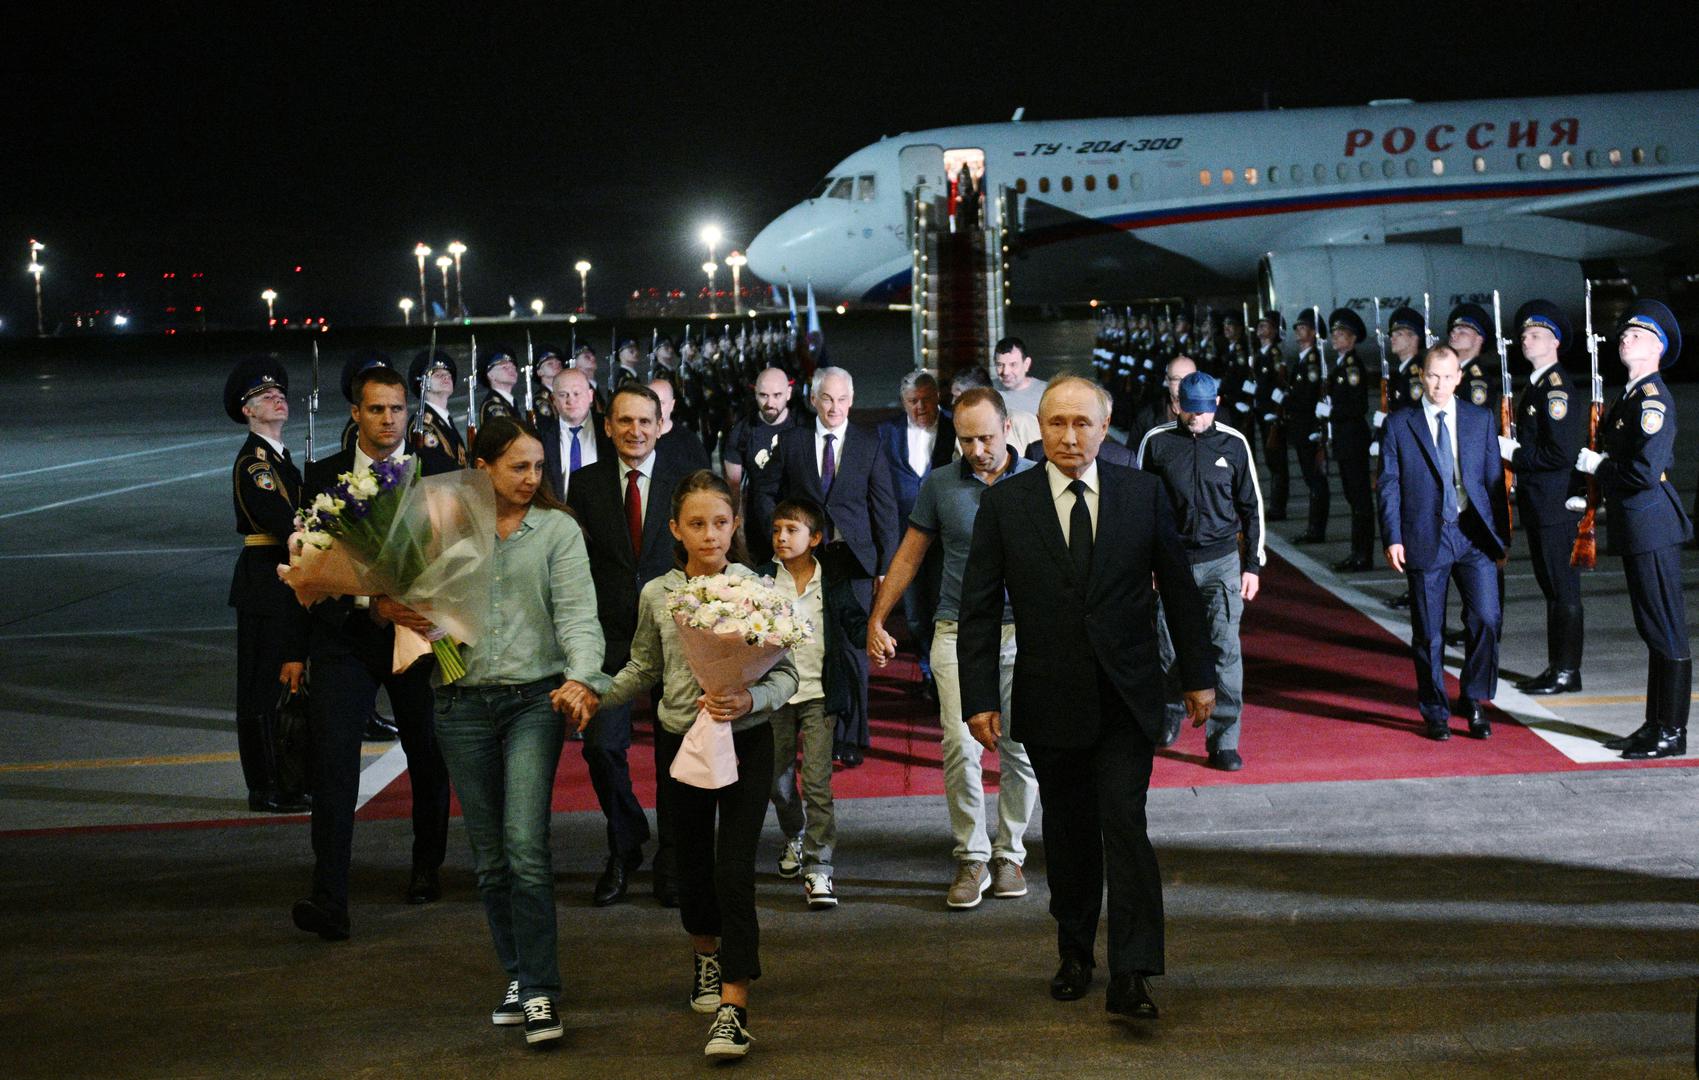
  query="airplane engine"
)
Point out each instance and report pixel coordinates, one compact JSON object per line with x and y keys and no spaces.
{"x":1352,"y":276}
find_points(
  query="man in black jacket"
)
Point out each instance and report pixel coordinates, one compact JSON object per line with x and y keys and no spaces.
{"x":1211,"y":481}
{"x":574,"y":436}
{"x":623,"y":503}
{"x":1087,"y":701}
{"x":351,"y":648}
{"x":1347,"y":412}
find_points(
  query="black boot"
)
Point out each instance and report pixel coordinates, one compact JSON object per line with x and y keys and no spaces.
{"x":1669,"y":737}
{"x":1654,"y":680}
{"x":1563,"y":650}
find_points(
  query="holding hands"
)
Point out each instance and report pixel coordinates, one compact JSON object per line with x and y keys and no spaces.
{"x":881,"y":646}
{"x":575,"y":700}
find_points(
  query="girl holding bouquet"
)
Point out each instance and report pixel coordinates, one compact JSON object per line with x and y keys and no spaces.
{"x":499,"y":734}
{"x":716,"y":867}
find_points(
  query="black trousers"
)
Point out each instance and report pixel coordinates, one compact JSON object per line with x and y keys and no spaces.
{"x":1279,"y":467}
{"x":1654,"y":590}
{"x":1549,"y":546}
{"x":344,"y":686}
{"x":716,"y":866}
{"x":261,"y":641}
{"x":1351,"y":449}
{"x":1314,"y":471}
{"x":1094,"y":816}
{"x":606,"y":749}
{"x":853,"y":729}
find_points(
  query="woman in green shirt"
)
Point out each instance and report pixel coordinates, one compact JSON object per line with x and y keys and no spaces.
{"x":499,"y":732}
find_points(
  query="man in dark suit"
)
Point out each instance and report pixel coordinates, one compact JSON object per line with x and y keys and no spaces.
{"x":1088,"y":698}
{"x":351,"y":644}
{"x":623,"y":503}
{"x":574,"y":436}
{"x":836,"y":463}
{"x":912,"y":445}
{"x":1444,"y":518}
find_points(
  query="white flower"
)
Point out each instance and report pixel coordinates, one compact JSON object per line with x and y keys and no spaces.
{"x":324,"y":504}
{"x":363,"y":484}
{"x":761,"y":460}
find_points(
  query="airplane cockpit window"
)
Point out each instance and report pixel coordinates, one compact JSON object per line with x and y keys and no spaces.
{"x":864,"y":188}
{"x":841,"y":189}
{"x":820,"y":188}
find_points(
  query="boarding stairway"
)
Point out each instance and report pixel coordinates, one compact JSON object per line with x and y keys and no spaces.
{"x":960,"y":280}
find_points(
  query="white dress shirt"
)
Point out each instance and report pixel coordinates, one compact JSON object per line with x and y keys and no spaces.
{"x":820,"y":433}
{"x":921,"y":442}
{"x":810,"y":659}
{"x":274,"y":444}
{"x":1431,"y":412}
{"x":644,"y":469}
{"x":586,"y":452}
{"x":1064,"y":499}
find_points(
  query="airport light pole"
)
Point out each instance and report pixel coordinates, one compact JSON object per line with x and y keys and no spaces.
{"x":457,"y":249}
{"x":708,"y":268}
{"x":270,"y":298}
{"x":406,"y":311}
{"x":36,"y":247}
{"x":583,"y":268}
{"x":537,"y":307}
{"x":711,"y":237}
{"x":737,"y":262}
{"x":422,"y":252}
{"x":443,"y":263}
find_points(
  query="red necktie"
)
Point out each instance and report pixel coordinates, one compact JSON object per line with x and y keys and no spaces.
{"x":634,"y":511}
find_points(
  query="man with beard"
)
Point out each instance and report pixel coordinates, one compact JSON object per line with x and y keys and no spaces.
{"x":750,"y":447}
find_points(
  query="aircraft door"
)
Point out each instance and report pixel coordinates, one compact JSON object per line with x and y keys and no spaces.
{"x":923,"y":164}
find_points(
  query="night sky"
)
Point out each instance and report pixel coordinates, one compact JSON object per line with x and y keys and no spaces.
{"x":164,"y":137}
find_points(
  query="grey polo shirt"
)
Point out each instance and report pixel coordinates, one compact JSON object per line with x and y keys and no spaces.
{"x":945,"y":508}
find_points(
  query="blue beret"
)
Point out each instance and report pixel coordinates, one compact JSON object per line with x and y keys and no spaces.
{"x":1653,"y":315}
{"x":1547,"y":314}
{"x":1198,"y":391}
{"x":1473,"y":316}
{"x":252,"y":375}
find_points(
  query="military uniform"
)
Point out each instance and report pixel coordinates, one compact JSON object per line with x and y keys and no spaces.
{"x":435,"y":439}
{"x":1481,"y":385}
{"x":495,"y":404}
{"x":271,"y":626}
{"x":1348,"y":395}
{"x":1238,"y":381}
{"x":1308,"y":433}
{"x":1647,"y":522}
{"x":542,"y":402}
{"x":625,"y":366}
{"x":1269,"y":363}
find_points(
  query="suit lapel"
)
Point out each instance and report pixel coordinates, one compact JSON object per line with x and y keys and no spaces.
{"x":1042,"y":509}
{"x":656,"y":510}
{"x":1424,"y":439}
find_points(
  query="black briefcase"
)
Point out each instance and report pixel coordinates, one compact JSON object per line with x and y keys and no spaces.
{"x":292,"y":744}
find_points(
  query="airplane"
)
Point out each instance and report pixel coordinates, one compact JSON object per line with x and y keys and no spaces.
{"x":1329,"y":206}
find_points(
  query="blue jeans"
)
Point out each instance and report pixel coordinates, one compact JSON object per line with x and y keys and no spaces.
{"x":502,"y":745}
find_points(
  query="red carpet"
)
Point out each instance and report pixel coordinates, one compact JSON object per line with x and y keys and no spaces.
{"x":1332,"y":697}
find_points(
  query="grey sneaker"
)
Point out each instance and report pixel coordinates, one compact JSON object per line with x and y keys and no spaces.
{"x":1007,"y":881}
{"x":969,"y":887}
{"x":790,"y":859}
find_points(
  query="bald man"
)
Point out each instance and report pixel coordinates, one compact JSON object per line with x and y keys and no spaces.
{"x":750,"y":447}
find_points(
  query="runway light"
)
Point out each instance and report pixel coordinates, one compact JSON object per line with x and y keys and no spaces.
{"x":537,"y":308}
{"x":120,"y":320}
{"x":841,"y":309}
{"x":1094,"y":303}
{"x":711,"y":235}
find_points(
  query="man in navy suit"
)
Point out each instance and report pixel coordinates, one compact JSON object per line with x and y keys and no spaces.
{"x":1076,"y":546}
{"x":836,"y":463}
{"x":573,"y":435}
{"x":912,"y":445}
{"x":1444,"y":517}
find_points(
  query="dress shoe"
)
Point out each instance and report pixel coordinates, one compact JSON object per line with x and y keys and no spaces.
{"x":1659,"y":742}
{"x":851,"y":756}
{"x":1310,"y":538}
{"x":1071,"y":980}
{"x":612,"y":885}
{"x":379,"y":728}
{"x":1439,"y":730}
{"x":1644,"y":732}
{"x":266,"y":802}
{"x":1479,"y":726}
{"x":424,"y":887}
{"x":317,"y":917}
{"x":1356,"y":564}
{"x":1129,"y":995}
{"x":1399,"y":602}
{"x":1226,"y":760}
{"x":1170,"y":730}
{"x":1551,"y":681}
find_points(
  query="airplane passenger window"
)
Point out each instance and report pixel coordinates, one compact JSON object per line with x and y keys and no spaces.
{"x":1114,"y":181}
{"x":1250,"y":176}
{"x":1592,"y":158}
{"x":1298,"y":174}
{"x":820,"y":188}
{"x":1569,"y":159}
{"x":1321,"y":172}
{"x":1090,"y":182}
{"x":1067,"y":183}
{"x":1366,"y":170}
{"x":1545,"y":161}
{"x":1274,"y":174}
{"x":1410,"y":167}
{"x":1135,"y":181}
{"x":1661,"y":153}
{"x":864,"y":188}
{"x":841,"y":189}
{"x":1439,"y":166}
{"x":1639,"y":156}
{"x":1480,"y":163}
{"x":1226,"y":176}
{"x":1341,"y":171}
{"x":1616,"y":157}
{"x":1203,"y":177}
{"x":1389,"y":168}
{"x":1521,"y":161}
{"x":1020,"y":186}
{"x":1044,"y":185}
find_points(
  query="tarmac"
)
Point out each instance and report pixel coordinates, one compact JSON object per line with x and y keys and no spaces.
{"x":1510,"y":925}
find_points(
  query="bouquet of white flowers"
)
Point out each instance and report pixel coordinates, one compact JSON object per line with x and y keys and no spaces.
{"x":733,"y":629}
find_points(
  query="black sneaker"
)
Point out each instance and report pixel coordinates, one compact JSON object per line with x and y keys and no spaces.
{"x":728,"y":1037}
{"x":705,"y":988}
{"x":541,"y":1023}
{"x":509,"y":1012}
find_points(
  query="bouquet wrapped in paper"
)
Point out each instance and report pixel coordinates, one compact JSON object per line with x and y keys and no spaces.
{"x":733,"y":630}
{"x":423,"y":541}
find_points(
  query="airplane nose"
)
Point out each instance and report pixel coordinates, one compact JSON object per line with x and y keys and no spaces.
{"x":763,"y":254}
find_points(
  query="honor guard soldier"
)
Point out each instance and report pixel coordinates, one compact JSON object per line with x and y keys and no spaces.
{"x":1468,"y":331}
{"x":1550,"y":428}
{"x":435,"y":438}
{"x":271,"y":627}
{"x":1184,"y":345}
{"x":1348,"y":394}
{"x":584,"y":359}
{"x":1637,"y":438}
{"x":1269,"y":364}
{"x":1237,"y":379}
{"x":1406,"y":336}
{"x":363,"y":361}
{"x":1306,"y":431}
{"x":625,"y":365}
{"x":545,"y":366}
{"x":498,"y":374}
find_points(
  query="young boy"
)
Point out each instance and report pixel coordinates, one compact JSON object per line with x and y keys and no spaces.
{"x":824,"y":675}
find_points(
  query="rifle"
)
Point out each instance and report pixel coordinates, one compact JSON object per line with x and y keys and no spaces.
{"x":1427,"y":323}
{"x":313,"y":402}
{"x":416,"y":430}
{"x":1385,"y":369}
{"x":1322,"y":393}
{"x":1504,"y":418}
{"x":530,"y":366}
{"x":472,"y":396}
{"x":1585,"y":553}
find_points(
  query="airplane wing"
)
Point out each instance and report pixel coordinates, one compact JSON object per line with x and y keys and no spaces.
{"x":1619,"y":205}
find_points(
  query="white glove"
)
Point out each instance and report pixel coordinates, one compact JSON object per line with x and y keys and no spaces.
{"x":1315,"y":436}
{"x":1374,"y":449}
{"x":1380,"y":418}
{"x":1249,"y":386}
{"x":1575,"y":503}
{"x":1277,"y":395}
{"x":1587,"y":461}
{"x":1324,"y":409}
{"x":1507,"y":447}
{"x":1269,"y":418}
{"x":1242,"y":406}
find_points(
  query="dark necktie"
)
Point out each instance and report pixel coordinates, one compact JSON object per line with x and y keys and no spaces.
{"x":1447,"y":467}
{"x":1079,"y":534}
{"x":828,"y":467}
{"x":577,"y":451}
{"x":634,"y":511}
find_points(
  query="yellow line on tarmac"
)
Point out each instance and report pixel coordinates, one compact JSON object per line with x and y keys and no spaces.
{"x":1565,"y":701}
{"x":367,"y":749}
